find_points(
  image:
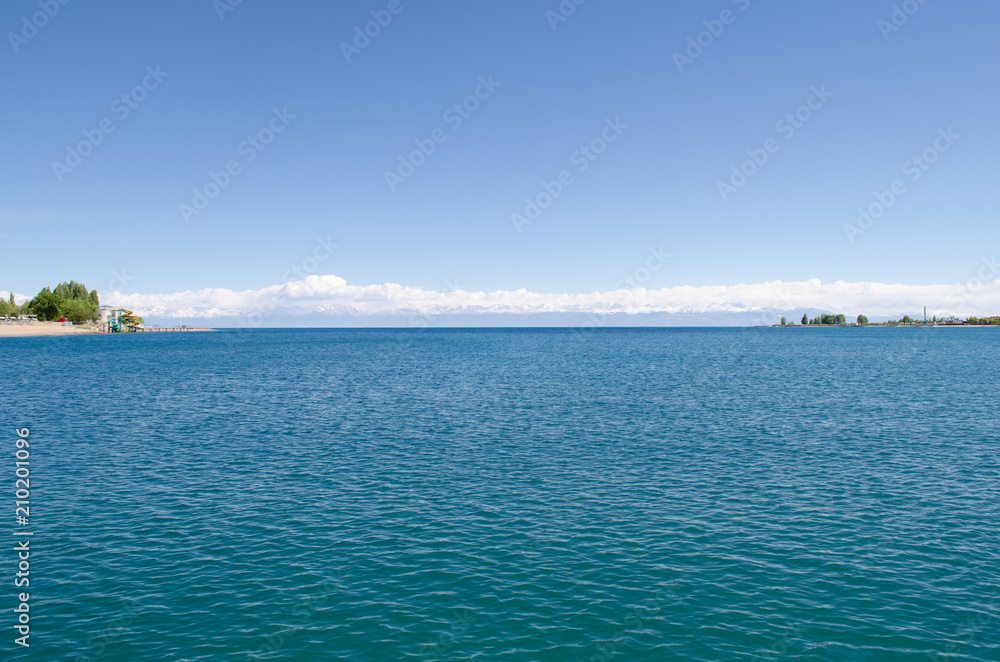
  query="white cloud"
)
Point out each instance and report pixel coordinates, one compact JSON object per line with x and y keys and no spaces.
{"x":18,"y":298}
{"x":333,"y":296}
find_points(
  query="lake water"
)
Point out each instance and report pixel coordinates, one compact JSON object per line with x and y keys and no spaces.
{"x":673,"y":494}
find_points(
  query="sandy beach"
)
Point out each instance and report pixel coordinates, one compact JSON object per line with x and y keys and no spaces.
{"x":46,"y":329}
{"x":57,"y":329}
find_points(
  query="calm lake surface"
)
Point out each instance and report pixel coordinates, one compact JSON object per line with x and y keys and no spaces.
{"x":670,"y":494}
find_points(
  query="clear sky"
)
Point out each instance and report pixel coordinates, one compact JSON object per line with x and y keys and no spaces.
{"x":224,"y":74}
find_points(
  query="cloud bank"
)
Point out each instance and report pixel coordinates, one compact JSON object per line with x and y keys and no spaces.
{"x":331,"y":297}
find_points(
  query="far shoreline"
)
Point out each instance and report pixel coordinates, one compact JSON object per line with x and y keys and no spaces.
{"x":883,"y":326}
{"x":40,"y":329}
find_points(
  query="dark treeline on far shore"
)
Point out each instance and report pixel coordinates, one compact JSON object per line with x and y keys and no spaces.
{"x":906,"y":320}
{"x":69,"y":301}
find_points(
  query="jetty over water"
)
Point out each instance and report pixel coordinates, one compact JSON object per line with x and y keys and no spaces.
{"x":123,"y":320}
{"x":167,"y":329}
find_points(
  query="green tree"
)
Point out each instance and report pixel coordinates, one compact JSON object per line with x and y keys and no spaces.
{"x":72,"y":290}
{"x":784,"y":322}
{"x":93,"y":298}
{"x":805,"y":319}
{"x":862,"y":320}
{"x":46,"y":305}
{"x":841,"y":319}
{"x":78,"y":311}
{"x":8,"y":308}
{"x":828,"y":319}
{"x":907,"y":319}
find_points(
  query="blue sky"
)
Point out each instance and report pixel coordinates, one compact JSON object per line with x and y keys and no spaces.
{"x":345,"y":124}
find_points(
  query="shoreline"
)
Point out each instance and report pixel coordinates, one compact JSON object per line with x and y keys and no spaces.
{"x":883,"y":326}
{"x":50,"y":329}
{"x":54,"y":329}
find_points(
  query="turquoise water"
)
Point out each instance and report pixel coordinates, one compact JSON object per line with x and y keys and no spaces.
{"x":701,"y":494}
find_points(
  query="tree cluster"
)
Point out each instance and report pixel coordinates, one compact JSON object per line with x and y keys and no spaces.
{"x":906,"y":319}
{"x":827,"y":320}
{"x":840,"y":320}
{"x":11,"y":309}
{"x":70,"y":300}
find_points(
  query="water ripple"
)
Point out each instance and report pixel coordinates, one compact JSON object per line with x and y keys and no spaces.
{"x":513,"y":495}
